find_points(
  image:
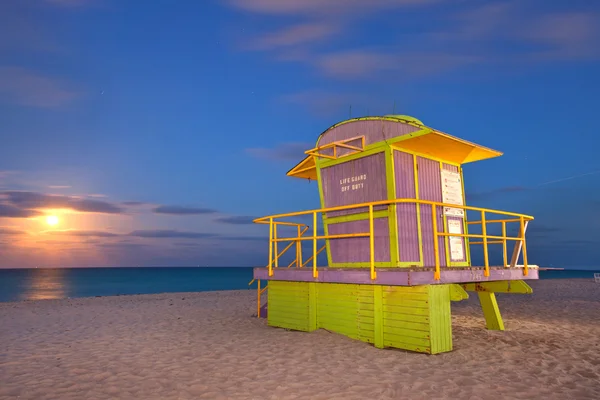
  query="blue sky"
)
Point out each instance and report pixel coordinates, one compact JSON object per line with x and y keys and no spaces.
{"x":157,"y":131}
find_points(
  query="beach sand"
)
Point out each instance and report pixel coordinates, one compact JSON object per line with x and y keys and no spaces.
{"x":207,"y":346}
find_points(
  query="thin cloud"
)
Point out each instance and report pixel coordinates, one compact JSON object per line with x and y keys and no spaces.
{"x":59,"y":187}
{"x":12,"y":231}
{"x":496,"y":192}
{"x":133,"y":203}
{"x":122,"y":245}
{"x":34,"y":200}
{"x":321,"y":7}
{"x":293,"y":151}
{"x":324,"y":104}
{"x":82,"y":233}
{"x":168,"y":233}
{"x":27,"y":88}
{"x":460,"y":36}
{"x":9,"y":211}
{"x":311,"y":32}
{"x":358,"y":63}
{"x":179,"y":210}
{"x":71,"y":3}
{"x":246,"y":238}
{"x":568,"y":178}
{"x":236,"y":220}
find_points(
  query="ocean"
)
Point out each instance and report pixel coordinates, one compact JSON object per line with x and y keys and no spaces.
{"x":42,"y":283}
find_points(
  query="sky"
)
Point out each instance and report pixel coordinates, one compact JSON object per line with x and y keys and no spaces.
{"x":156,"y":131}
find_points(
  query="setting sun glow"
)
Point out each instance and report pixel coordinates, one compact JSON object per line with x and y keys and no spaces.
{"x":52,"y":220}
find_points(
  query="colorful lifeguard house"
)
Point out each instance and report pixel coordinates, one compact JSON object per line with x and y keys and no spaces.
{"x":394,"y":225}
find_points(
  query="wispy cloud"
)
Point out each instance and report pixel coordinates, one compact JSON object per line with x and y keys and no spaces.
{"x":311,"y":8}
{"x":324,"y":103}
{"x":496,"y":192}
{"x":180,"y":210}
{"x":28,"y":201}
{"x":27,"y":88}
{"x":358,"y":63}
{"x":133,"y":203}
{"x":12,"y":231}
{"x":293,"y":151}
{"x":236,"y":220}
{"x":169,"y":233}
{"x":82,"y":233}
{"x":459,"y":34}
{"x":310,"y":32}
{"x":71,"y":3}
{"x":9,"y":211}
{"x":59,"y":187}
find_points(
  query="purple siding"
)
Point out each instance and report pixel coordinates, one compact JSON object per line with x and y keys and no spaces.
{"x":430,"y":188}
{"x":374,"y":131}
{"x":365,"y":182}
{"x":408,"y":235}
{"x":357,"y":249}
{"x":454,"y":168}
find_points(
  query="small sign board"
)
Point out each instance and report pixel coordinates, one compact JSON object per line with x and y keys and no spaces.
{"x":457,"y":248}
{"x":452,"y":193}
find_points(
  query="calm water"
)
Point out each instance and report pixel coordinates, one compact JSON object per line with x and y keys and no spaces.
{"x":36,"y":284}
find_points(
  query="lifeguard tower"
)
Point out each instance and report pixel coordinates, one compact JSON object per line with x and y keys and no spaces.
{"x":397,"y":234}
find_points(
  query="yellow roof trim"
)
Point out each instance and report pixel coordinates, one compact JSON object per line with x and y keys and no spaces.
{"x":446,"y":147}
{"x":305,"y":169}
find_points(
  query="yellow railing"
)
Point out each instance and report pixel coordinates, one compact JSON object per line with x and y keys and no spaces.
{"x":318,"y":151}
{"x":486,"y":239}
{"x":260,"y":291}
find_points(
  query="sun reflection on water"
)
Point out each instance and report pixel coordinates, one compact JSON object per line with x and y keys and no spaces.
{"x":46,"y":284}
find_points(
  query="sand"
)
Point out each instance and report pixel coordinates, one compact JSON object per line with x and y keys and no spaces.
{"x":207,"y":346}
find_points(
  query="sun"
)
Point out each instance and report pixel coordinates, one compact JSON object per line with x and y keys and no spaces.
{"x":52,"y":220}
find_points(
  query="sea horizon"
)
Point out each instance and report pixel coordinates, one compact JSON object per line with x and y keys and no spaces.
{"x":18,"y":284}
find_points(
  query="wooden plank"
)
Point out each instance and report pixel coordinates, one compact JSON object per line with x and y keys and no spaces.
{"x":406,"y":346}
{"x":401,"y":337}
{"x":406,"y":303}
{"x":458,"y":293}
{"x":405,"y":289}
{"x":411,"y":333}
{"x":350,"y":316}
{"x":341,"y":306}
{"x":491,"y":311}
{"x":378,"y":316}
{"x":417,"y":326}
{"x":499,"y":287}
{"x":394,"y":309}
{"x":347,"y":298}
{"x":312,"y":309}
{"x":518,"y":246}
{"x":390,"y":297}
{"x":440,"y":319}
{"x":422,"y":319}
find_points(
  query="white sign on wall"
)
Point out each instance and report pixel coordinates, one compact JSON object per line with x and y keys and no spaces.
{"x":452,"y":193}
{"x":457,"y":249}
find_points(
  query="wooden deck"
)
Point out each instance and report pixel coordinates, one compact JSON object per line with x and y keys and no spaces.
{"x":396,"y":276}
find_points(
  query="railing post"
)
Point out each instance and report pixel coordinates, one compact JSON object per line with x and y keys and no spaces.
{"x":315,"y":272}
{"x":486,"y":261}
{"x":436,"y":250}
{"x":270,"y":246}
{"x":505,"y":257}
{"x":525,"y":267}
{"x":258,"y":301}
{"x":275,"y":243}
{"x":372,"y":243}
{"x":298,"y":261}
